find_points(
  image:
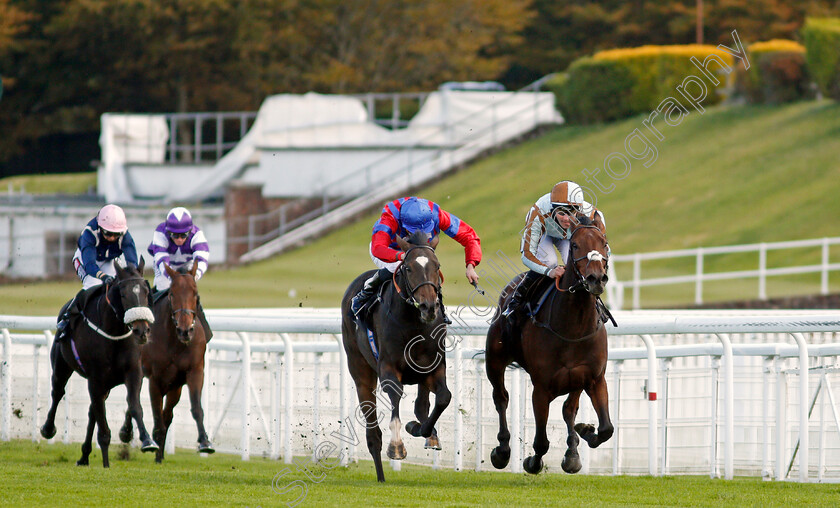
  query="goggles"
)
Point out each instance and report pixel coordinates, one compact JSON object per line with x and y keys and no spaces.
{"x":110,"y":234}
{"x":179,"y":236}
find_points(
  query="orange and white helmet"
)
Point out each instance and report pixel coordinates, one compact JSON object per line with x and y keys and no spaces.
{"x":567,"y":194}
{"x":112,"y":218}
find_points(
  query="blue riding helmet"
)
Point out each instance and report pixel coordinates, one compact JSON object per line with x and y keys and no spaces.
{"x":415,"y":215}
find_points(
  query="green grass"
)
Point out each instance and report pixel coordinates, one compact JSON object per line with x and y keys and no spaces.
{"x":39,"y":474}
{"x":76,"y":183}
{"x":733,"y":175}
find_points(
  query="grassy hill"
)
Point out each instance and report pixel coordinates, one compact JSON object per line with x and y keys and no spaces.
{"x":732,"y":175}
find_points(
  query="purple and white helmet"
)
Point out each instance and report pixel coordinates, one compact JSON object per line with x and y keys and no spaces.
{"x":178,"y":220}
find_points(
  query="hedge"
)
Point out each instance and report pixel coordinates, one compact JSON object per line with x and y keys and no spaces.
{"x":822,"y":42}
{"x":777,"y":72}
{"x":592,"y":91}
{"x":658,"y":70}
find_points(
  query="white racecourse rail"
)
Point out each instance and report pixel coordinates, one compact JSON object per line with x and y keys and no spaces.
{"x":691,"y":392}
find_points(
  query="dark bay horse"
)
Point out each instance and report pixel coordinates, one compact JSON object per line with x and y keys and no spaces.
{"x":564,"y":350}
{"x":174,"y":356}
{"x":408,"y":337}
{"x":104,"y":347}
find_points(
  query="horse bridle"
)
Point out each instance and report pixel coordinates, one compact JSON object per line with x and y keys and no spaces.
{"x":175,"y":311}
{"x":411,"y":290}
{"x":579,"y":281}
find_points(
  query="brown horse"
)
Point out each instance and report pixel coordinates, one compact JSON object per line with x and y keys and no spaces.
{"x":174,"y":356}
{"x":564,"y":350}
{"x":407,"y":347}
{"x":104,"y":347}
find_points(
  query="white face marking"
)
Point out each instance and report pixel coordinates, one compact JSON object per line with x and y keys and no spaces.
{"x":136,"y":290}
{"x":422,"y":261}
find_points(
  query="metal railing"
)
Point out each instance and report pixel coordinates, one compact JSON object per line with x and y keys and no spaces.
{"x":240,"y":367}
{"x":701,"y":255}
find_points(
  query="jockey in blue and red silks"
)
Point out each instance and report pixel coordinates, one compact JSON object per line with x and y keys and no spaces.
{"x":179,"y":243}
{"x":404,"y":217}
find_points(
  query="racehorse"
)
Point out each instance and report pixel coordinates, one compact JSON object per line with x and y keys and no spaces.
{"x":563,"y":348}
{"x":174,"y":356}
{"x":406,"y":347}
{"x":104,"y":347}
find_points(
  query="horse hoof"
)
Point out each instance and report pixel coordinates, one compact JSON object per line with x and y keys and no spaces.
{"x":413,"y":427}
{"x":533,"y":464}
{"x":587,"y":432}
{"x":432,"y":443}
{"x":149,"y":446}
{"x":126,"y":435}
{"x":499,"y":459}
{"x":48,"y":432}
{"x":206,"y":448}
{"x":396,"y":452}
{"x":571,"y":463}
{"x":82,"y":462}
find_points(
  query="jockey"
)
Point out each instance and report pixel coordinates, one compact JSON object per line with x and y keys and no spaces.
{"x":179,"y":243}
{"x":403,"y":217}
{"x":104,"y":239}
{"x":548,"y":225}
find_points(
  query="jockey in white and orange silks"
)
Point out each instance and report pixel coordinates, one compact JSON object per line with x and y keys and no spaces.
{"x":548,"y":226}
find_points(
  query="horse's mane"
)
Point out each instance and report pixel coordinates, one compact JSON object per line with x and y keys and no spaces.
{"x":183,"y":269}
{"x":418,"y":238}
{"x":584,"y":220}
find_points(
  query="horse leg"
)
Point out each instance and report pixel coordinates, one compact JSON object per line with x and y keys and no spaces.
{"x":87,"y":446}
{"x":541,"y":401}
{"x":571,"y":461}
{"x":61,"y":373}
{"x":600,"y":401}
{"x":421,"y":411}
{"x":442,"y":399}
{"x":195,"y":382}
{"x":133,"y":383}
{"x":172,"y":399}
{"x":392,"y":386}
{"x":496,"y":374}
{"x":127,"y":430}
{"x":158,"y":430}
{"x":365,"y":379}
{"x":103,"y":433}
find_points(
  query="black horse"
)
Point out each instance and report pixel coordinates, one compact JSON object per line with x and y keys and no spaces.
{"x":407,"y":347}
{"x":173,"y":357}
{"x":103,"y":346}
{"x":564,"y":350}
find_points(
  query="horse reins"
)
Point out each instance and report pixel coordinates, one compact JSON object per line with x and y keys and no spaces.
{"x":411,"y":290}
{"x":579,"y":282}
{"x":111,"y":305}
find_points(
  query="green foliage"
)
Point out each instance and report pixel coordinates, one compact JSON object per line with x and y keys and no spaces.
{"x":592,"y":91}
{"x":775,"y":76}
{"x":76,"y":183}
{"x":822,"y":40}
{"x":658,"y":70}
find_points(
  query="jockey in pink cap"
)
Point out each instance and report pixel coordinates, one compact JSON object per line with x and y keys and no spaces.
{"x":104,"y":239}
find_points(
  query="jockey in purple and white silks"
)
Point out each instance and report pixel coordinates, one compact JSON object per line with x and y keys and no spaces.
{"x":178,"y":242}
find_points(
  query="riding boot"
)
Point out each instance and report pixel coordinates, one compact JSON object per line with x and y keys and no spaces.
{"x":62,"y":328}
{"x":443,"y":310}
{"x":512,"y":310}
{"x":368,"y":290}
{"x":208,"y":333}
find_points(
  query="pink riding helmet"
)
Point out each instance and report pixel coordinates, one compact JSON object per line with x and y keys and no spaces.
{"x":112,"y":218}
